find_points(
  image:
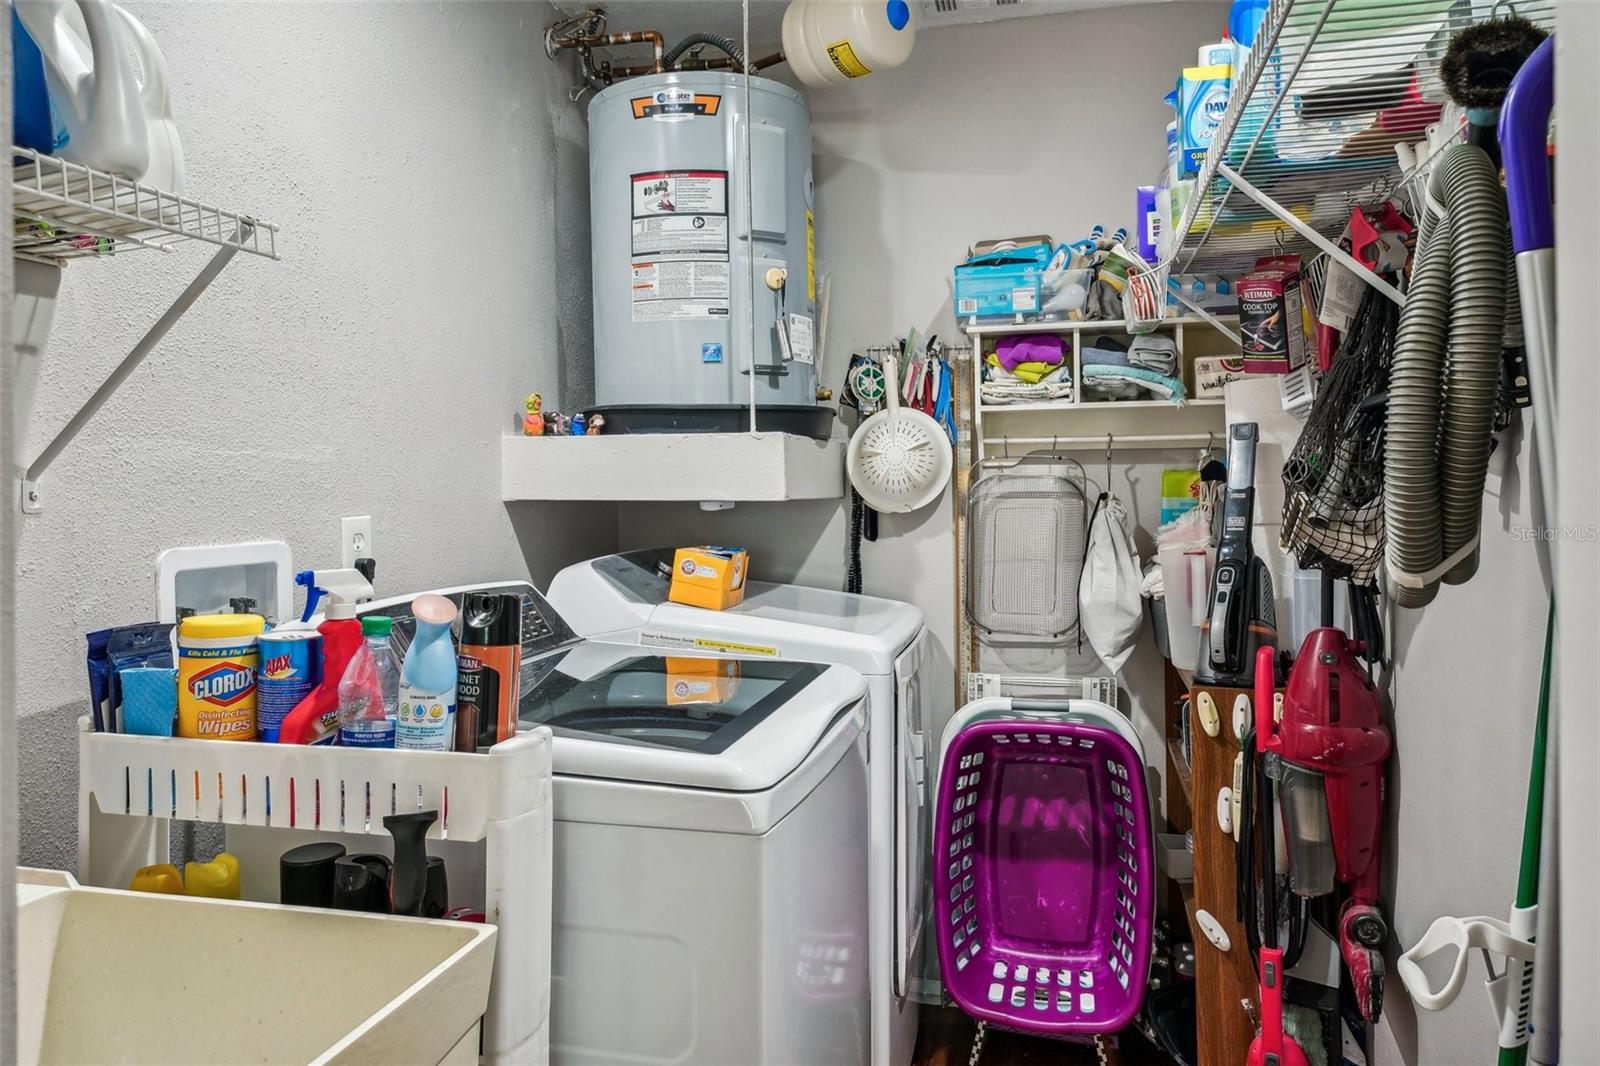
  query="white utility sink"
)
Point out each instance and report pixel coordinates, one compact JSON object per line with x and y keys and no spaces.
{"x":131,"y":977}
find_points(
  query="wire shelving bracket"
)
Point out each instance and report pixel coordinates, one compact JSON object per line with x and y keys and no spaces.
{"x":1335,"y":94}
{"x":65,"y":211}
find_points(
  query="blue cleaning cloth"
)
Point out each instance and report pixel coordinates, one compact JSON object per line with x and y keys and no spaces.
{"x":149,"y":700}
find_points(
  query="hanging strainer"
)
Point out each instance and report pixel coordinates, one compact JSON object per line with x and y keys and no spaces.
{"x":899,"y":459}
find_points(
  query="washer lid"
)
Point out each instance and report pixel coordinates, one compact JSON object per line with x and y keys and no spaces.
{"x":738,"y":725}
{"x":787,"y":621}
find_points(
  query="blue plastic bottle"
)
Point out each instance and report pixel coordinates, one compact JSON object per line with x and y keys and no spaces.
{"x":427,"y":710}
{"x":1245,"y":20}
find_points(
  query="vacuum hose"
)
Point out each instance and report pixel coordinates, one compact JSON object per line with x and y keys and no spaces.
{"x":1441,"y":410}
{"x":716,"y":41}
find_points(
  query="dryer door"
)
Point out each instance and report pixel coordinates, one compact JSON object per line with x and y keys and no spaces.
{"x":912,"y":763}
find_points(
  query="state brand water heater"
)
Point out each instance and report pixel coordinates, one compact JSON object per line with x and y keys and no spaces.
{"x":674,"y":252}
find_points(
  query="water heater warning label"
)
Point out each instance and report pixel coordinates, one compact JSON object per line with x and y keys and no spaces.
{"x":680,"y":245}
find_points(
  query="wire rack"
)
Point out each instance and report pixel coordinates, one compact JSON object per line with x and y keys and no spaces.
{"x":64,"y":211}
{"x":1330,"y":89}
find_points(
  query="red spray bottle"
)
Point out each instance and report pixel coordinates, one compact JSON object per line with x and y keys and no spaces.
{"x":315,"y":719}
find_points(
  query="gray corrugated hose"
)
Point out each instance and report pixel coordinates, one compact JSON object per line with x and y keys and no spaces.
{"x":1444,"y":379}
{"x":716,"y":41}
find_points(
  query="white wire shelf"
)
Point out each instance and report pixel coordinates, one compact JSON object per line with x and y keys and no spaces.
{"x":64,"y":211}
{"x":1330,"y":89}
{"x":1098,"y":405}
{"x":1115,"y":325}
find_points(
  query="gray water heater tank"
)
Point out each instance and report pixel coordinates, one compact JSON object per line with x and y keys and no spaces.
{"x":673,"y":253}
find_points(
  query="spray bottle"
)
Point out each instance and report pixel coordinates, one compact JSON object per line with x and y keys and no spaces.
{"x":428,"y":677}
{"x":315,"y":719}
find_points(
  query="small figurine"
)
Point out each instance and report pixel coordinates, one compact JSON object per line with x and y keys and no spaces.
{"x":596,"y":426}
{"x":556,"y":424}
{"x":533,"y":424}
{"x":579,"y":423}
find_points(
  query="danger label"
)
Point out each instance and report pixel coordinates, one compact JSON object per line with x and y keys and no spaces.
{"x":679,"y":253}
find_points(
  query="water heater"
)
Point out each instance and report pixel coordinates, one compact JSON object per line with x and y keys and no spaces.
{"x":675,"y":252}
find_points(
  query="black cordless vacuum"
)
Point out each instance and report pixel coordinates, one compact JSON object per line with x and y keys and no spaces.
{"x":1240,"y":617}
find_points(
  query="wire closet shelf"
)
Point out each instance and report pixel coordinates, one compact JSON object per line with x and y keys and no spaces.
{"x":64,"y":211}
{"x":1329,"y":90}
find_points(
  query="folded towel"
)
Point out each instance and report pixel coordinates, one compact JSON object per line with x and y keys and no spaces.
{"x":1168,"y":388}
{"x":1155,"y":353}
{"x":1047,"y":348}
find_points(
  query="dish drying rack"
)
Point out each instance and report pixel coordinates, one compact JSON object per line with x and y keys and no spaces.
{"x":64,"y":211}
{"x":494,"y":832}
{"x":1331,"y":110}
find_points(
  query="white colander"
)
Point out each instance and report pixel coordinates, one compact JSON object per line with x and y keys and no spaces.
{"x":898,"y":460}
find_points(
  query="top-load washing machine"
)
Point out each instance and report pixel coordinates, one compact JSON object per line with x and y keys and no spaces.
{"x":710,"y":861}
{"x":624,"y":598}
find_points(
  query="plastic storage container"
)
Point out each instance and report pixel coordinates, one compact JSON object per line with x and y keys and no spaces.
{"x":115,"y":976}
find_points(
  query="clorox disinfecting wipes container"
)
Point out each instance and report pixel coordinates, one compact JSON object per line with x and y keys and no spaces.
{"x":217,"y":662}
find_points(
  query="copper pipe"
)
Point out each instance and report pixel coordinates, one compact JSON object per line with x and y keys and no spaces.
{"x":653,"y":38}
{"x":719,"y":63}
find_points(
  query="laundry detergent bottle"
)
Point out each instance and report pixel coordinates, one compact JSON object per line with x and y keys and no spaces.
{"x":427,"y":715}
{"x":315,"y":719}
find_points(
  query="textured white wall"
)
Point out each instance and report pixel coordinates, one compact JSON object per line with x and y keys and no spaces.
{"x":1026,"y":126}
{"x":430,"y":176}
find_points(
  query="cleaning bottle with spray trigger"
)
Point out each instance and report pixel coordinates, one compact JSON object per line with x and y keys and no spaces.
{"x":315,"y":719}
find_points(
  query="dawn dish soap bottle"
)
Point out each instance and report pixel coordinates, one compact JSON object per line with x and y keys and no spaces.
{"x":369,"y":690}
{"x":427,"y":710}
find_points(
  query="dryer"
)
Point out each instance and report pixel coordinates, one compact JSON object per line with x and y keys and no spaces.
{"x":624,"y":598}
{"x":710,"y":886}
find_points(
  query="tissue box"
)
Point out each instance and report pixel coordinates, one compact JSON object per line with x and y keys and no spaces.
{"x":1213,"y":372}
{"x":709,"y":576}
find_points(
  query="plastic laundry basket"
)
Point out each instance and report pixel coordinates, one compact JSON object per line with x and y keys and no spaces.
{"x":1044,"y":864}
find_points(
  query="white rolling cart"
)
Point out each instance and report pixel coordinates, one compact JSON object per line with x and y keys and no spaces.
{"x":494,"y":833}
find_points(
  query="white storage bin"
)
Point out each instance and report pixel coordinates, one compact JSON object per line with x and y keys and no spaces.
{"x":494,"y":832}
{"x":134,"y":977}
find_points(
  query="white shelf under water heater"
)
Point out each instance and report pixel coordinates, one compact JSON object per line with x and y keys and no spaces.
{"x":668,"y":467}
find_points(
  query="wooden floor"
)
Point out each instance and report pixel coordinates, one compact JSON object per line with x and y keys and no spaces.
{"x":944,"y":1038}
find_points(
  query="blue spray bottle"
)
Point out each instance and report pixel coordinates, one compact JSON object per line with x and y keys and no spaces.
{"x":427,"y":709}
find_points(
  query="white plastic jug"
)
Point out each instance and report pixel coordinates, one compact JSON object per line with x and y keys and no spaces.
{"x":91,"y":76}
{"x":166,"y":147}
{"x":831,"y":42}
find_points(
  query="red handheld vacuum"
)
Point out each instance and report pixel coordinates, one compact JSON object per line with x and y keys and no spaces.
{"x":1331,"y":746}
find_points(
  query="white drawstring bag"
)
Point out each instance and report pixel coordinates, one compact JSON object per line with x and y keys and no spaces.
{"x":1109,"y":605}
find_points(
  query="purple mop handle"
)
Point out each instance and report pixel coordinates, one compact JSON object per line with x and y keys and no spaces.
{"x":1524,"y":136}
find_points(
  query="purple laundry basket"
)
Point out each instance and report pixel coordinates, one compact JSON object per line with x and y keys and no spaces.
{"x":1044,"y":867}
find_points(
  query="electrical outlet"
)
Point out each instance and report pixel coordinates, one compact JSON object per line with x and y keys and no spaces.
{"x":355,"y":539}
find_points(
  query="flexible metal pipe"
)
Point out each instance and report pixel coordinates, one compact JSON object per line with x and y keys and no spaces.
{"x":716,"y":41}
{"x":1441,"y":411}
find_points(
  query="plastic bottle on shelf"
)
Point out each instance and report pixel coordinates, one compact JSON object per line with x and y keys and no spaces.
{"x":427,"y":706}
{"x":315,"y":719}
{"x":369,"y":691}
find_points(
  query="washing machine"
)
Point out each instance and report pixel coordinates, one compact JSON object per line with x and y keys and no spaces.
{"x":710,"y":894}
{"x":624,"y":598}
